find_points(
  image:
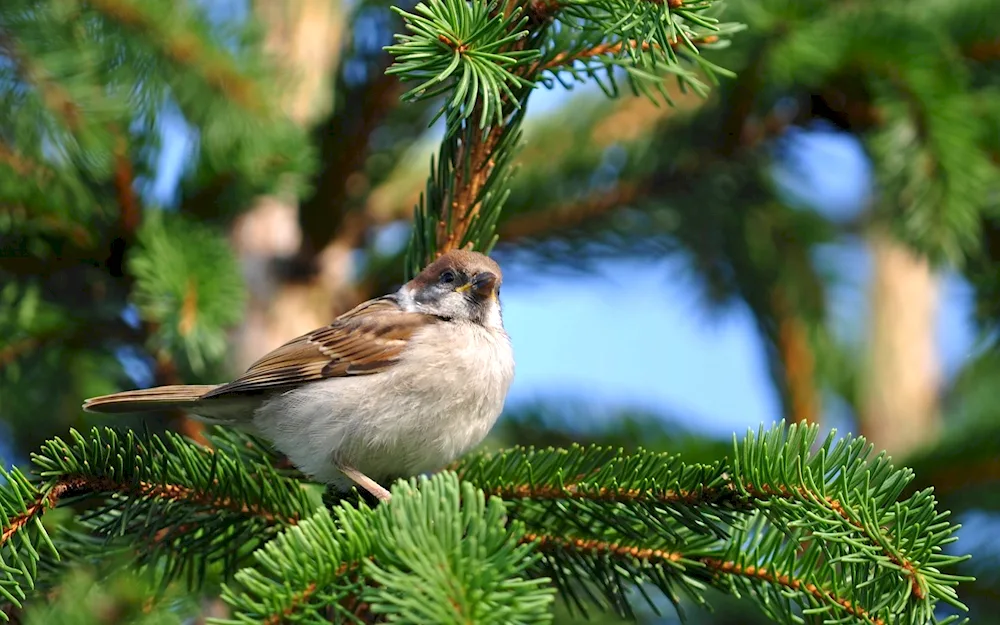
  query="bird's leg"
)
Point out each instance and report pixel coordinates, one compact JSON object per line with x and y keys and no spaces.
{"x":366,"y":482}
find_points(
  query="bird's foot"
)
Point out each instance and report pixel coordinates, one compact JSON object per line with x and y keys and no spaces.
{"x":367,"y":483}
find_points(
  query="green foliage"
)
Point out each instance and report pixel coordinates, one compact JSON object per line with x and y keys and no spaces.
{"x":437,"y":553}
{"x":805,"y":531}
{"x":447,"y":541}
{"x":648,"y":41}
{"x":305,"y":570}
{"x":463,"y":48}
{"x":501,"y":56}
{"x":783,"y":514}
{"x":187,"y":284}
{"x":785,"y":522}
{"x":160,"y":495}
{"x":123,"y":599}
{"x":87,"y":89}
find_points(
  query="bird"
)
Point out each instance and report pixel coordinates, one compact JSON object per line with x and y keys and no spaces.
{"x":400,"y":385}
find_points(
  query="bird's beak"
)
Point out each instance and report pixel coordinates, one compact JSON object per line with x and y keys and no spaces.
{"x":484,"y":285}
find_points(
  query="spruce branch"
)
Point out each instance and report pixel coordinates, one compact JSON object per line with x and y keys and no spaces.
{"x":465,"y":190}
{"x":176,"y":261}
{"x":439,"y":552}
{"x":469,"y":48}
{"x":184,"y":48}
{"x":167,"y":499}
{"x":626,"y":555}
{"x":487,"y":93}
{"x":817,"y":514}
{"x":482,"y":116}
{"x":613,"y":49}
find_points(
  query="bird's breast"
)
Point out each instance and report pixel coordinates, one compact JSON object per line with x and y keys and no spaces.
{"x":454,"y":379}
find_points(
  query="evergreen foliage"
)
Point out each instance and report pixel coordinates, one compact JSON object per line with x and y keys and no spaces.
{"x":95,"y":273}
{"x":783,"y":522}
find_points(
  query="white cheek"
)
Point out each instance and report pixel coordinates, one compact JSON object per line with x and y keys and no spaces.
{"x":406,"y":301}
{"x":455,"y":305}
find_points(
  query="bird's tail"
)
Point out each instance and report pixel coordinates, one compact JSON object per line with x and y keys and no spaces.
{"x":157,"y":398}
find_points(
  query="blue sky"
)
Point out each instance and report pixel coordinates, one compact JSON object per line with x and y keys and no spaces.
{"x":635,"y":334}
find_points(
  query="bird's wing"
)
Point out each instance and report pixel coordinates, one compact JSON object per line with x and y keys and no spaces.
{"x":368,"y":339}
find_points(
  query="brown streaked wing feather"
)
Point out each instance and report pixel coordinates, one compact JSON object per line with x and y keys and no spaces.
{"x":362,"y":341}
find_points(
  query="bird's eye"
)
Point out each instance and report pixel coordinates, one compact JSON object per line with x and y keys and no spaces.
{"x":447,"y":277}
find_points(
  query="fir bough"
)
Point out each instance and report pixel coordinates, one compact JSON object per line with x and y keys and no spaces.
{"x":798,"y":528}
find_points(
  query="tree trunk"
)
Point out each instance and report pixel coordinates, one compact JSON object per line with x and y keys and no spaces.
{"x":305,"y":38}
{"x":899,"y":401}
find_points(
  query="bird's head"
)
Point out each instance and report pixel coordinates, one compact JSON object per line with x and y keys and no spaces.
{"x":460,"y":285}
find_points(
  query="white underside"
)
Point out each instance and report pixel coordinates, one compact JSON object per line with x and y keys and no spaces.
{"x":433,"y":406}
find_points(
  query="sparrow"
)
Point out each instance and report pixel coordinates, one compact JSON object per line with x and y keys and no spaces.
{"x":401,"y":385}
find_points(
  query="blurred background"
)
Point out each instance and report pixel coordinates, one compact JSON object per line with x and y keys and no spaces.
{"x":185,"y":186}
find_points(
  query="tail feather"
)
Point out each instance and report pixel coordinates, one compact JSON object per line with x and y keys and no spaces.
{"x":157,"y":398}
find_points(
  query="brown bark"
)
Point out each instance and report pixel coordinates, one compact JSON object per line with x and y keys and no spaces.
{"x":798,"y":362}
{"x":304,"y":38}
{"x":899,"y":401}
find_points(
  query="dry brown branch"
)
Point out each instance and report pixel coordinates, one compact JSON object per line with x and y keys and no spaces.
{"x":984,"y":51}
{"x":566,"y":216}
{"x":130,"y":213}
{"x":798,"y":362}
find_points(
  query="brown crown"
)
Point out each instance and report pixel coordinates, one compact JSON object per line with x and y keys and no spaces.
{"x":464,"y":261}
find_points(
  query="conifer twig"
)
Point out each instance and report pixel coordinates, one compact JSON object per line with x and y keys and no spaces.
{"x":300,"y":598}
{"x":71,"y":486}
{"x":695,"y":497}
{"x":474,"y":163}
{"x":543,"y":10}
{"x":880,"y":540}
{"x":727,"y":496}
{"x":718,"y":566}
{"x":613,"y":48}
